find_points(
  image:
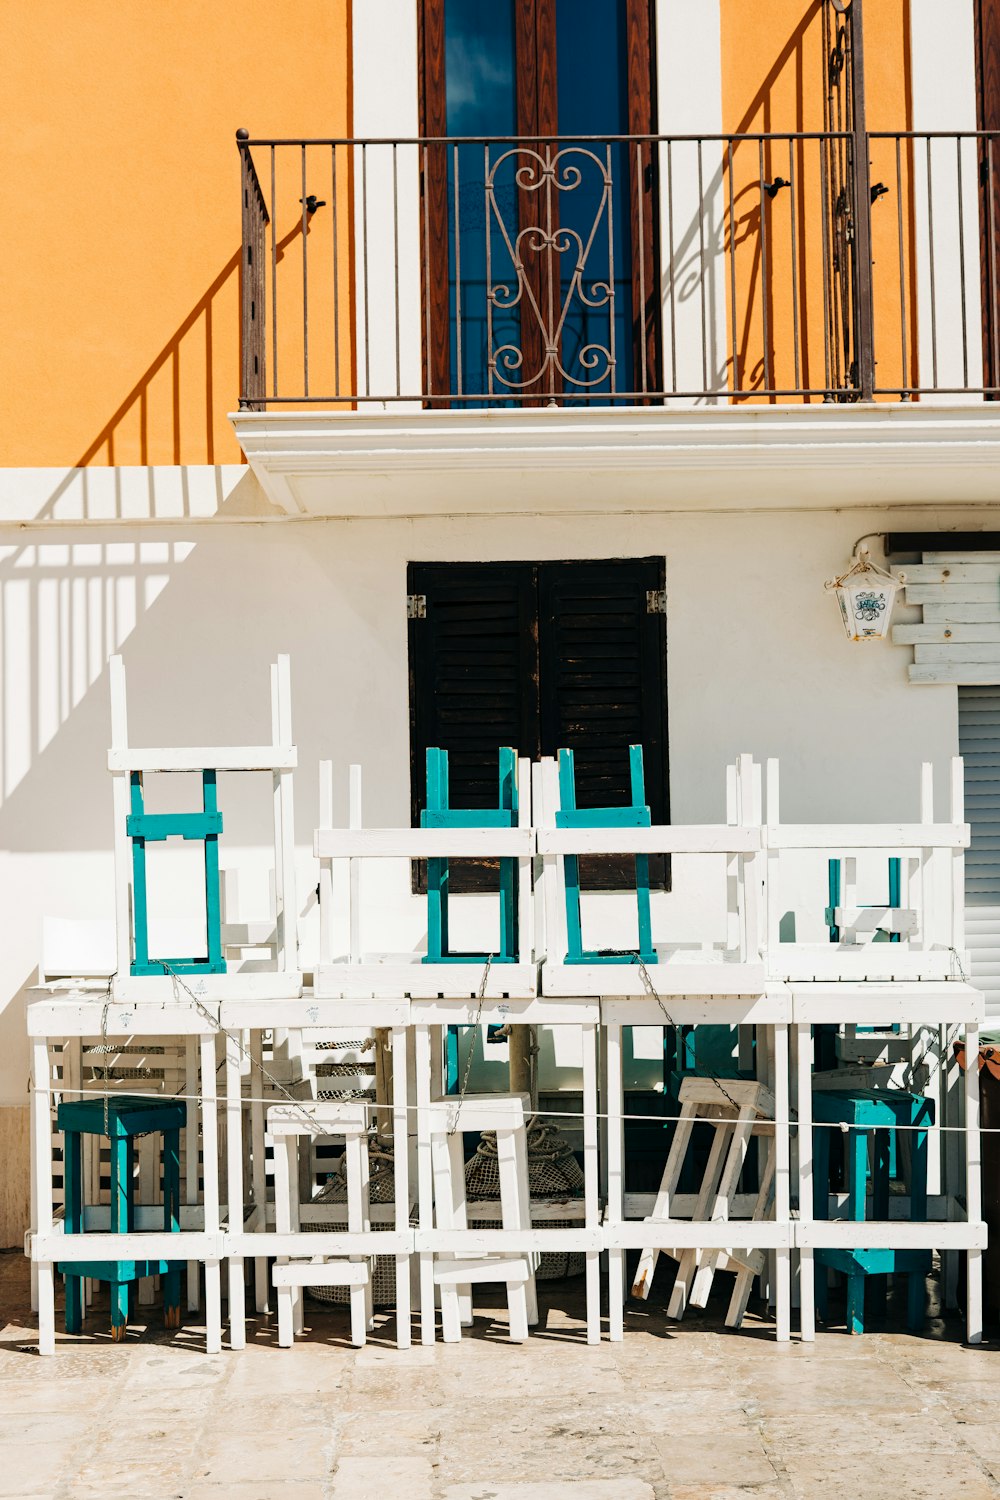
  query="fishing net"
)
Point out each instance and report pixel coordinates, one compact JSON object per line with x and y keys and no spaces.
{"x":381,"y":1189}
{"x":554,"y":1175}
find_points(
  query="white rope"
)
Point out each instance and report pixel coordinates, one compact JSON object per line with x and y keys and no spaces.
{"x":546,"y":1114}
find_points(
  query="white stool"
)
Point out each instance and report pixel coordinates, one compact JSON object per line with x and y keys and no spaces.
{"x":455,"y":1272}
{"x":286,"y":1124}
{"x":737,"y":1109}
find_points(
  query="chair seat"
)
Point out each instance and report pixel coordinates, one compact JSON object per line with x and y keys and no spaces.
{"x":120,"y":1115}
{"x":322,"y":1273}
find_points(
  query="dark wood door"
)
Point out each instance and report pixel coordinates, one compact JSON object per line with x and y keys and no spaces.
{"x":539,"y":255}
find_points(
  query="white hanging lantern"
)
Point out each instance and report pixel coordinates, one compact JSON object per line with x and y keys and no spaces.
{"x":866,"y":594}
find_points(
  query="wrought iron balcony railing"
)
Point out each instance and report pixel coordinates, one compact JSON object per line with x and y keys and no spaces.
{"x":466,"y":273}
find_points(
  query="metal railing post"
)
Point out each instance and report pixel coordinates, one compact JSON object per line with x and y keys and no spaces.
{"x":252,"y":331}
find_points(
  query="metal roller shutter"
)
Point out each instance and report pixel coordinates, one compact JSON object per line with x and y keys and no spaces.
{"x":979,"y":744}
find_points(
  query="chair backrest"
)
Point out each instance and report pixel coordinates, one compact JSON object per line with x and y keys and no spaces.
{"x":478,"y":1112}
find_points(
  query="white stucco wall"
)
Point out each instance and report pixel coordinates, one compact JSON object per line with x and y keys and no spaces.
{"x":756,"y":661}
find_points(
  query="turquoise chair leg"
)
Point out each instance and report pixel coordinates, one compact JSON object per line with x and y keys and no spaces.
{"x":855,"y":1313}
{"x":73,"y":1186}
{"x":118,"y":1291}
{"x":856,"y":1152}
{"x":437,"y":869}
{"x":121,"y":1214}
{"x":916,"y":1302}
{"x":172,"y":1223}
{"x":881,"y":1166}
{"x":823,"y":1293}
{"x":571,"y":865}
{"x":213,"y":914}
{"x":508,"y":867}
{"x":645,"y":933}
{"x":451,"y":1060}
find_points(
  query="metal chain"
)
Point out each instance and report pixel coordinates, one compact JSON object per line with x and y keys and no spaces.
{"x":314,"y":1126}
{"x":651,"y":991}
{"x":453,"y":1126}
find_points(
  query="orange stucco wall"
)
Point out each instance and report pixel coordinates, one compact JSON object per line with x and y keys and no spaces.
{"x":774,"y":74}
{"x":118,"y":299}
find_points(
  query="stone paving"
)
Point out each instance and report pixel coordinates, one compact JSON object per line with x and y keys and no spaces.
{"x":673,"y":1413}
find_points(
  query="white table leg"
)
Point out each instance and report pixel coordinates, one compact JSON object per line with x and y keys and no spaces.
{"x":191,"y":1156}
{"x":782,"y":1194}
{"x":210,"y":1177}
{"x":400,"y":1135}
{"x":259,"y":1165}
{"x":807,"y":1268}
{"x":41,"y":1163}
{"x":616,"y":1181}
{"x":234,"y":1190}
{"x":973,"y":1186}
{"x":422,"y":1050}
{"x":591,"y":1198}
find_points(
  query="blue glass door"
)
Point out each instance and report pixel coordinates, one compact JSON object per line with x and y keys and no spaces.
{"x":535,"y":209}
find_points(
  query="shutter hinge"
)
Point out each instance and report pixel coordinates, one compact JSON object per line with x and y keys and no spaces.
{"x":416,"y":606}
{"x":656,"y":601}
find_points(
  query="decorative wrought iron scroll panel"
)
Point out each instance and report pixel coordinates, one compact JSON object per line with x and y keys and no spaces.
{"x":557,"y":269}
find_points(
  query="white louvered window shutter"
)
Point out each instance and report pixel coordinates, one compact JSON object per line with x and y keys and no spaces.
{"x":979,"y":744}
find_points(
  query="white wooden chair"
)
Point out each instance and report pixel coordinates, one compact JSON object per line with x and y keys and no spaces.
{"x":455,"y":1272}
{"x":288,"y":1125}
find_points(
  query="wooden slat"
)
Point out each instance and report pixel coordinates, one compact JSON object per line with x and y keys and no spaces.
{"x":423,"y":843}
{"x":954,"y":672}
{"x":954,"y":593}
{"x":674,"y":838}
{"x":943,"y":634}
{"x":841,"y":836}
{"x":199,"y":758}
{"x":962,"y":614}
{"x":949,"y":573}
{"x":958,"y":653}
{"x":948,"y":558}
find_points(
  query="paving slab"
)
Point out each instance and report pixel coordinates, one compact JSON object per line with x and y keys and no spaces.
{"x":676,"y":1412}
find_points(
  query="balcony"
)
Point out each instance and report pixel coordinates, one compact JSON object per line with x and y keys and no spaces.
{"x":612,"y":279}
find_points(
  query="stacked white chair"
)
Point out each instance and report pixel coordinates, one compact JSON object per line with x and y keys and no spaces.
{"x":455,"y":1273}
{"x":288,"y":1125}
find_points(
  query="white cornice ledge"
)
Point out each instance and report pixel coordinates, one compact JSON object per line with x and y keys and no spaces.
{"x":414,"y":462}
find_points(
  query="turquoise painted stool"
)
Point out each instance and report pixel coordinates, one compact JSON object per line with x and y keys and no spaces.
{"x":865,"y":1113}
{"x":635,"y":815}
{"x":121,"y":1119}
{"x":438,"y":813}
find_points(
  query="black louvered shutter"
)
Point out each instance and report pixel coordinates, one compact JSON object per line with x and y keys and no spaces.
{"x":602,"y":684}
{"x":541,"y":656}
{"x":473,"y":674}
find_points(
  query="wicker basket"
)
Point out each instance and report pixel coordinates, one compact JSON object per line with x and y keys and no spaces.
{"x":381,"y":1189}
